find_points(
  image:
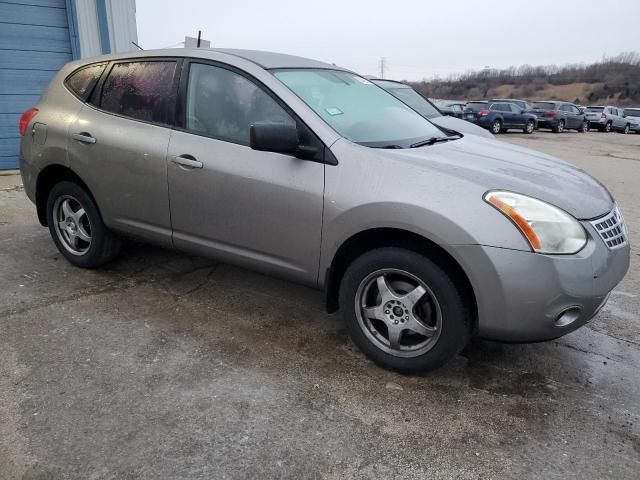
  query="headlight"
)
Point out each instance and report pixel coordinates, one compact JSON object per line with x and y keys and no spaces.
{"x":547,"y":228}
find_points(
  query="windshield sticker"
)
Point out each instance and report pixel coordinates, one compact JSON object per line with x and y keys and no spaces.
{"x":334,"y":111}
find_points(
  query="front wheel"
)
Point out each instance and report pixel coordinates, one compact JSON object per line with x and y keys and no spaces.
{"x":77,"y":229}
{"x":403,"y":311}
{"x":584,"y":128}
{"x":529,"y":127}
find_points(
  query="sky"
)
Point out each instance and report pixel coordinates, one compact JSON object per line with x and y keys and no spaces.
{"x":418,"y":39}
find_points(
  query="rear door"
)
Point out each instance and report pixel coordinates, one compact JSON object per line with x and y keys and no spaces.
{"x":258,"y":209}
{"x":618,"y":120}
{"x":118,"y":145}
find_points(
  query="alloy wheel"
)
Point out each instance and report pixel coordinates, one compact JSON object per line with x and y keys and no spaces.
{"x":72,"y":225}
{"x":398,"y":312}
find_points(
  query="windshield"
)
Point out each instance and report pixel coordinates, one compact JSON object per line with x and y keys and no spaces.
{"x":632,"y":112}
{"x":595,"y":109}
{"x":477,"y":106}
{"x":357,"y":109}
{"x":415,"y":101}
{"x":544,"y":105}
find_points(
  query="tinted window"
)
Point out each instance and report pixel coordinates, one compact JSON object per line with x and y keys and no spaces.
{"x":500,"y":107}
{"x":632,"y":112}
{"x":514,"y":108}
{"x":477,"y":106}
{"x":82,"y":81}
{"x":223,"y":104}
{"x":544,"y":105}
{"x":140,"y":90}
{"x":595,"y":109}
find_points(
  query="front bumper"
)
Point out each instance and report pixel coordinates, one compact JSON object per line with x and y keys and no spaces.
{"x":528,"y":297}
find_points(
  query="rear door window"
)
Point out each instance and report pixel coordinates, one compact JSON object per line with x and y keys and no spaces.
{"x":81,"y":82}
{"x":140,"y":90}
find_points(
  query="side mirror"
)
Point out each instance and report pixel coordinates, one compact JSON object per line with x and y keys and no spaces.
{"x":274,"y":137}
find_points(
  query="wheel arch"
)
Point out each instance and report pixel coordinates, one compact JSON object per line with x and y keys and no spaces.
{"x":47,"y":178}
{"x":373,"y":238}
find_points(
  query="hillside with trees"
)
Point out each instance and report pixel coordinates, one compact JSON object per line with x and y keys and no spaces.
{"x":614,"y":80}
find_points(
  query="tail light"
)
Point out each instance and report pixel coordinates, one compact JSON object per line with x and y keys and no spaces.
{"x":602,"y":115}
{"x":550,"y":113}
{"x":25,"y":119}
{"x":484,"y":112}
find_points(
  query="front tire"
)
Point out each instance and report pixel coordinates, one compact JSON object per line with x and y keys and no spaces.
{"x":403,"y":311}
{"x":529,"y":127}
{"x":77,"y":229}
{"x":584,"y":128}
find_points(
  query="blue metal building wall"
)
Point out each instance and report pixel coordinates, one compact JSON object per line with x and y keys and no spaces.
{"x":37,"y":37}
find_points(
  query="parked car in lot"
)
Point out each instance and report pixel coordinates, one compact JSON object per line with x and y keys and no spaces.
{"x":607,"y":118}
{"x":304,"y":170}
{"x":428,"y":110}
{"x":559,"y":116}
{"x":451,"y":109}
{"x":523,"y":104}
{"x":499,"y":116}
{"x":633,"y":117}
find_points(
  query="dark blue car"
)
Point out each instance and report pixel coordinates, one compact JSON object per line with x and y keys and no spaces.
{"x":500,"y":116}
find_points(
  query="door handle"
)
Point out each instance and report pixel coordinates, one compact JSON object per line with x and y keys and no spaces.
{"x":186,"y":161}
{"x":83,"y":137}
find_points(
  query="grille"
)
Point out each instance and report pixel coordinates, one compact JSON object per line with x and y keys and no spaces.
{"x":612,"y":229}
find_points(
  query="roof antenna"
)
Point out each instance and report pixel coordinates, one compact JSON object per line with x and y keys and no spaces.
{"x":199,"y":35}
{"x":136,"y":45}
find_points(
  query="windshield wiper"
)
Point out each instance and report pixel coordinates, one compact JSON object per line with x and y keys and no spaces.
{"x":390,"y":146}
{"x":433,"y":140}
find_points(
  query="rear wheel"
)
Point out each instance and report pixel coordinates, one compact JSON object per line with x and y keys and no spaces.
{"x":607,"y":127}
{"x":77,"y":228}
{"x":496,"y":127}
{"x":559,"y":128}
{"x":529,"y":127}
{"x":403,"y":311}
{"x":626,"y":129}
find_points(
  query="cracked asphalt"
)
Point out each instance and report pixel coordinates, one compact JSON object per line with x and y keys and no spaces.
{"x":166,"y":366}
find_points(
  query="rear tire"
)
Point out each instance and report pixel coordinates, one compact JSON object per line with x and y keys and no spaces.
{"x":496,"y":127}
{"x":529,"y":127}
{"x":559,"y":128}
{"x":627,"y":127}
{"x":607,"y":127}
{"x":403,"y":311}
{"x":77,"y":229}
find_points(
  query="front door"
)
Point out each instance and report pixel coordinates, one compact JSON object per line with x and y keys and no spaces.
{"x":258,"y":209}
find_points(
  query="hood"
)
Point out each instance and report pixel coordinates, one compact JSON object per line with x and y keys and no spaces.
{"x":495,"y":165}
{"x":462,"y":126}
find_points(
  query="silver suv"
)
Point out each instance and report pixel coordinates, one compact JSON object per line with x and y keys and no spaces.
{"x":607,"y":118}
{"x":420,"y":237}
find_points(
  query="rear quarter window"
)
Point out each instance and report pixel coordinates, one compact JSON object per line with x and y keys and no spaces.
{"x":140,"y":90}
{"x":82,"y":82}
